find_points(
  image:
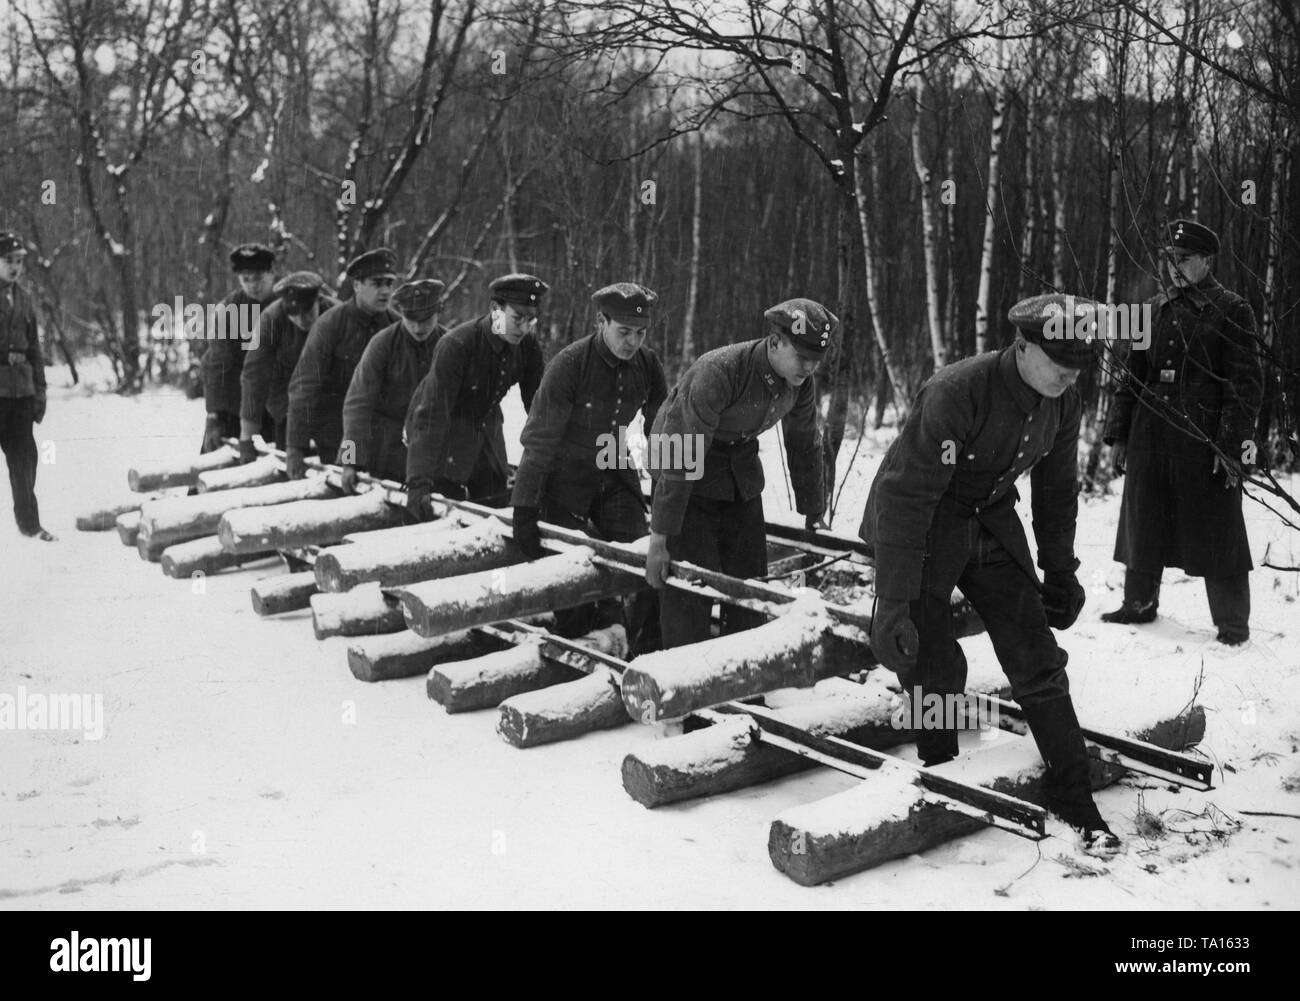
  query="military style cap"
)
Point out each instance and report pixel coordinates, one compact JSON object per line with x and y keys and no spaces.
{"x":372,"y":264}
{"x":519,"y":289}
{"x":419,"y":300}
{"x":809,"y":324}
{"x":1190,"y":236}
{"x":1064,"y":326}
{"x":11,"y":243}
{"x":625,"y":302}
{"x":299,"y":291}
{"x":252,"y":257}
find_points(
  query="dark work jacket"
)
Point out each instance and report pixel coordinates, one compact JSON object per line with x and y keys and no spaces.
{"x":223,"y":359}
{"x":269,"y":366}
{"x":730,"y":396}
{"x":974,"y":428}
{"x":1175,"y":511}
{"x":18,"y":335}
{"x":379,"y":395}
{"x":587,"y":394}
{"x":324,"y":371}
{"x":456,"y":410}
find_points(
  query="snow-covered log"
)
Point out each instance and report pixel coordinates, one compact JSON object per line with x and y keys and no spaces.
{"x":255,"y":474}
{"x":436,"y":607}
{"x":888,"y":816}
{"x":104,"y":518}
{"x":308,"y":522}
{"x":286,"y":592}
{"x":184,"y":474}
{"x":405,"y":655}
{"x":405,"y":559}
{"x":563,"y":711}
{"x":486,"y":681}
{"x":204,"y":555}
{"x":128,"y":527}
{"x":453,"y":522}
{"x":169,"y":520}
{"x":363,"y":611}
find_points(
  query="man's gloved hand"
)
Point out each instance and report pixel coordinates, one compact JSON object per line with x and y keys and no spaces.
{"x":1119,"y":457}
{"x":1063,"y":598}
{"x":657,"y":560}
{"x":247,"y":451}
{"x":419,"y":502}
{"x":894,"y":639}
{"x":349,"y":479}
{"x":450,"y":490}
{"x":528,"y":536}
{"x":295,"y":463}
{"x":212,"y":433}
{"x":38,"y":410}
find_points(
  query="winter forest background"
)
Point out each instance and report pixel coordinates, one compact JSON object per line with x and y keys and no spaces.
{"x":918,"y":166}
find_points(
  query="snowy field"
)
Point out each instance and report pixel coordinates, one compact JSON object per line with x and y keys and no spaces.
{"x":242,"y":766}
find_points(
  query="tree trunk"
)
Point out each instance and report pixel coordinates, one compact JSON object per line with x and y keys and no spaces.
{"x":929,"y":235}
{"x":693,"y":279}
{"x":992,"y":200}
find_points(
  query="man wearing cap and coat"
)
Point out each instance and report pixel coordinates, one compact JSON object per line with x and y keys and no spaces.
{"x":324,"y":370}
{"x":941,"y":514}
{"x":264,"y":381}
{"x":1182,"y":424}
{"x":455,"y":443}
{"x":576,"y":471}
{"x":22,"y":386}
{"x":712,"y":515}
{"x":224,"y":348}
{"x":391,"y":366}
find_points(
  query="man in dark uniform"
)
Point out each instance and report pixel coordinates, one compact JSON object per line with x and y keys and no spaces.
{"x":1182,"y":424}
{"x":264,"y":382}
{"x":22,"y":386}
{"x":324,"y":370}
{"x":941,"y":514}
{"x":712,"y":515}
{"x":455,"y":444}
{"x":391,"y":367}
{"x":225,"y":344}
{"x":575,"y":471}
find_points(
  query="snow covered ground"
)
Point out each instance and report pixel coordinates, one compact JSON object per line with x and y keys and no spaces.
{"x":241,"y":765}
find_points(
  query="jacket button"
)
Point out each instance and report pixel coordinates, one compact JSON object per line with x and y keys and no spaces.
{"x":1020,"y":455}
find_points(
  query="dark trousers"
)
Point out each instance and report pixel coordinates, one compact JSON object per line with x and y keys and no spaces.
{"x":617,"y":515}
{"x":718,"y":535}
{"x":1229,"y":599}
{"x":17,"y":415}
{"x":227,"y":426}
{"x":486,"y":484}
{"x":1008,"y":601}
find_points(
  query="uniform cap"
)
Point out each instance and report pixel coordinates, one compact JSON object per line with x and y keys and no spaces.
{"x":299,"y":290}
{"x":372,"y":264}
{"x":252,"y":257}
{"x":419,"y":300}
{"x":519,"y":289}
{"x":625,"y":302}
{"x":1064,"y":326}
{"x":1190,"y":236}
{"x":11,"y":243}
{"x":809,"y":324}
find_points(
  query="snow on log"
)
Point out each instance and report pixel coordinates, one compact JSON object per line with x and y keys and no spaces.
{"x":563,"y":711}
{"x":205,"y":556}
{"x":436,"y":607}
{"x":404,"y":655}
{"x":169,"y":520}
{"x":404,"y":559}
{"x":888,"y":816}
{"x":363,"y":611}
{"x":786,"y":652}
{"x":184,"y":474}
{"x":286,"y":592}
{"x":455,"y":520}
{"x":486,"y":681}
{"x":128,"y":527}
{"x":307,"y":522}
{"x":104,"y":518}
{"x":255,"y":474}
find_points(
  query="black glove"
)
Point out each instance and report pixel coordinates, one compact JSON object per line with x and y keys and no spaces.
{"x":295,"y":463}
{"x":451,"y":490}
{"x":349,"y":479}
{"x":528,"y":536}
{"x":894,"y":639}
{"x":1063,"y":598}
{"x":247,"y":451}
{"x":212,"y":439}
{"x":38,"y":410}
{"x":419,"y":502}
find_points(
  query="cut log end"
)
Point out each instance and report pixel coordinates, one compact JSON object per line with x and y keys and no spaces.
{"x":563,"y":711}
{"x":290,"y":592}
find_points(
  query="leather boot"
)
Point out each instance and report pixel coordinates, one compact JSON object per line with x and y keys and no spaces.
{"x":1230,"y":607}
{"x":1056,"y":731}
{"x":1141,"y":599}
